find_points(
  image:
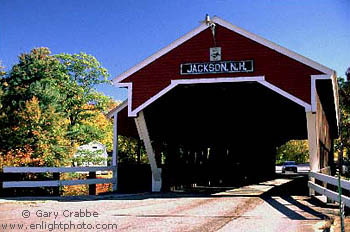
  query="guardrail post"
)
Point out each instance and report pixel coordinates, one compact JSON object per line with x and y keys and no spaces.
{"x":56,"y":190}
{"x":92,"y":187}
{"x":341,"y":204}
{"x":115,"y":178}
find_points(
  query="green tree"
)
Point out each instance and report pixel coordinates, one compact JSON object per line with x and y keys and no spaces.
{"x":82,"y":102}
{"x":2,"y":74}
{"x":297,"y":150}
{"x":100,"y":127}
{"x":48,"y":104}
{"x":344,"y":105}
{"x":44,"y":131}
{"x":31,"y":113}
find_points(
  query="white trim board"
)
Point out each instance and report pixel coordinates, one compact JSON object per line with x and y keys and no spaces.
{"x":332,"y":78}
{"x":160,"y":53}
{"x":54,"y":183}
{"x":233,"y":28}
{"x":273,"y":46}
{"x":287,"y":95}
{"x":313,"y":88}
{"x":117,"y":109}
{"x":56,"y":169}
{"x":129,"y":99}
{"x":174,"y":83}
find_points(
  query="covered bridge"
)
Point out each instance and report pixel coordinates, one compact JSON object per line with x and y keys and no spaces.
{"x":216,"y":103}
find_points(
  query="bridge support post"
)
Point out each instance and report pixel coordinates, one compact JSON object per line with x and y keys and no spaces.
{"x":144,"y":136}
{"x":313,"y":145}
{"x":115,"y":152}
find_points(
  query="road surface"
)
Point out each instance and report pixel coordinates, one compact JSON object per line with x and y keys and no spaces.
{"x":245,"y":209}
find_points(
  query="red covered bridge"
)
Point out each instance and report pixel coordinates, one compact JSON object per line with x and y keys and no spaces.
{"x":216,"y":103}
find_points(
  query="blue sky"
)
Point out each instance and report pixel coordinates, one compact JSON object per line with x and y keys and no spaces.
{"x":122,"y":33}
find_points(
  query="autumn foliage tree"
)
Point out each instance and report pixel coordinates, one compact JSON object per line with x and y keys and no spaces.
{"x":344,"y":100}
{"x":31,"y":108}
{"x":296,"y":150}
{"x":82,"y":102}
{"x":343,"y":143}
{"x":48,"y":104}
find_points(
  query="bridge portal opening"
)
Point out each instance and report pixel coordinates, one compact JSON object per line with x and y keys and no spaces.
{"x":222,"y":134}
{"x":215,"y":113}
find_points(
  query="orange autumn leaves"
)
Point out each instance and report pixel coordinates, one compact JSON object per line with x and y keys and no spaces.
{"x":49,"y":107}
{"x":105,"y":125}
{"x":42,"y":130}
{"x":20,"y":157}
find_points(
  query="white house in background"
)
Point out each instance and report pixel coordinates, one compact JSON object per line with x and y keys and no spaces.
{"x":97,"y":149}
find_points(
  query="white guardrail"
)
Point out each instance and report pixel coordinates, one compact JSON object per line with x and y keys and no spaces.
{"x":326,"y":192}
{"x":55,"y":183}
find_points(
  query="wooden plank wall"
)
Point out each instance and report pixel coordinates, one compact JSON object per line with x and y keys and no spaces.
{"x":325,"y":142}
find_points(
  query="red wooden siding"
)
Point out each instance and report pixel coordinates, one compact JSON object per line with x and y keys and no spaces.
{"x":126,"y":126}
{"x":280,"y":70}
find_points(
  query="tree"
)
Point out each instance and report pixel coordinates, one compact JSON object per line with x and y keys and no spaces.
{"x":2,"y":74}
{"x":49,"y":105}
{"x":82,"y":102}
{"x":42,"y":134}
{"x":96,"y":126}
{"x":344,"y":105}
{"x":297,"y":150}
{"x":31,"y":117}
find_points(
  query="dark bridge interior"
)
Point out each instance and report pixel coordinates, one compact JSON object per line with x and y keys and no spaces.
{"x":221,"y":134}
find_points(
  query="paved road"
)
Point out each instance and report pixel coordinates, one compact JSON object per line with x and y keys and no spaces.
{"x":244,"y":209}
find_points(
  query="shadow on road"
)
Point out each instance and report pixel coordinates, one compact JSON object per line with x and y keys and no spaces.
{"x":286,"y":208}
{"x":278,"y":196}
{"x":283,"y":209}
{"x":284,"y":193}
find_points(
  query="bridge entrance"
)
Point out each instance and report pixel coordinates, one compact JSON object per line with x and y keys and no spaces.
{"x":213,"y":114}
{"x":221,"y":133}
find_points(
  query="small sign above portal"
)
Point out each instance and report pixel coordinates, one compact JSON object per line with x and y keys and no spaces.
{"x":215,"y":54}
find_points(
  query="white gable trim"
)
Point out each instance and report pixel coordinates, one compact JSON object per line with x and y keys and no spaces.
{"x":160,"y":53}
{"x":117,"y":109}
{"x":333,"y":78}
{"x":174,"y":83}
{"x":231,"y":27}
{"x":313,"y":88}
{"x":287,"y":95}
{"x":273,"y":46}
{"x":336,"y":96}
{"x":129,"y":86}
